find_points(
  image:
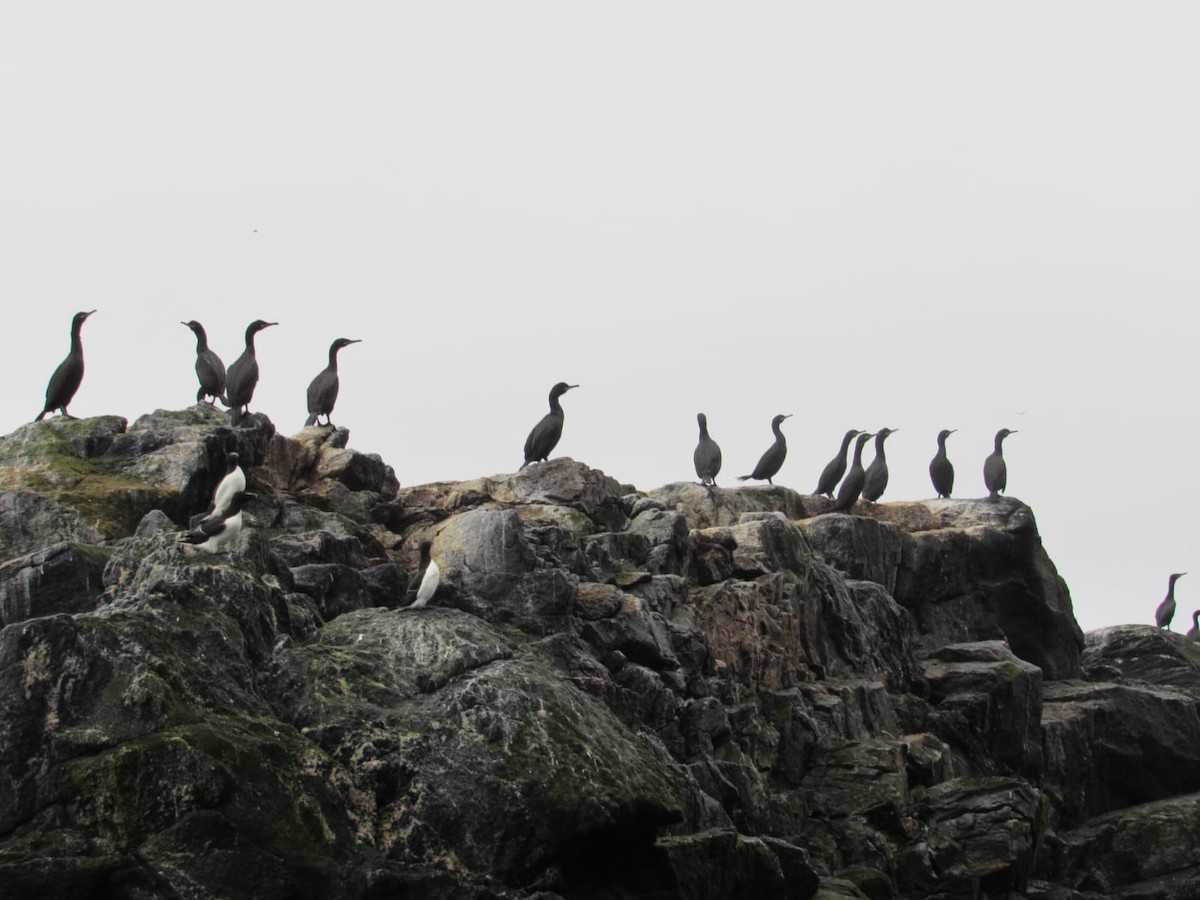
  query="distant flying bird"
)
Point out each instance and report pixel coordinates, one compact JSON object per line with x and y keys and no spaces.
{"x":995,"y":472}
{"x":852,"y":486}
{"x":941,"y":471}
{"x":242,"y":377}
{"x":215,"y":534}
{"x":707,"y":457}
{"x":771,"y":461}
{"x":323,"y":391}
{"x":424,"y":583}
{"x":875,"y":478}
{"x":1166,"y":610}
{"x":209,"y":368}
{"x":69,"y":375}
{"x":836,"y":467}
{"x":544,"y":437}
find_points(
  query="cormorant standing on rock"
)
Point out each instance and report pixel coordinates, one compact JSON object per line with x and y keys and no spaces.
{"x":209,"y":368}
{"x":876,"y":478}
{"x":544,"y":437}
{"x":242,"y":377}
{"x":1194,"y":632}
{"x":836,"y":467}
{"x":422,"y":585}
{"x":214,"y":534}
{"x":708,"y":455}
{"x":67,"y":377}
{"x":233,"y":483}
{"x":323,"y":391}
{"x":1166,"y":609}
{"x":995,"y":472}
{"x":770,"y":462}
{"x":853,"y":484}
{"x":941,"y":471}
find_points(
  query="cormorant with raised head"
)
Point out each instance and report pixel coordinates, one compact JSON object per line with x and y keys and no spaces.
{"x":876,"y":477}
{"x":323,"y":391}
{"x":995,"y":472}
{"x":941,"y":471}
{"x":424,"y":583}
{"x":853,"y":484}
{"x":232,"y":483}
{"x":708,"y":455}
{"x":544,"y":437}
{"x":242,"y":377}
{"x":836,"y":467}
{"x":215,"y":534}
{"x":1166,"y":610}
{"x":67,"y":377}
{"x":209,"y":368}
{"x":771,"y":461}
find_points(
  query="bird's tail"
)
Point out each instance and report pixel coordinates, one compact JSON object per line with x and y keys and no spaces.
{"x":235,"y":415}
{"x":524,"y":464}
{"x":311,"y":420}
{"x":40,"y":415}
{"x":745,"y":477}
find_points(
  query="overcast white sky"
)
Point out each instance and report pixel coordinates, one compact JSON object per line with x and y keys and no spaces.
{"x":916,"y":215}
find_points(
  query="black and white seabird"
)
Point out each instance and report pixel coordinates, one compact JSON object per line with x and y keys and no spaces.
{"x":995,"y":472}
{"x":545,"y":434}
{"x":1194,"y":632}
{"x":242,"y":377}
{"x":232,"y":483}
{"x":708,"y":455}
{"x":67,"y":377}
{"x":422,"y":585}
{"x":323,"y":391}
{"x":853,"y":484}
{"x":1166,"y":610}
{"x":215,"y":534}
{"x":771,"y":461}
{"x":836,"y":467}
{"x":941,"y":470}
{"x":875,"y":479}
{"x":209,"y":368}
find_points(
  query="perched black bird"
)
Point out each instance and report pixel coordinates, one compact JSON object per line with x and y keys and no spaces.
{"x":941,"y":471}
{"x":1166,"y":610}
{"x":836,"y":467}
{"x":67,"y":377}
{"x":875,"y":479}
{"x":853,"y":484}
{"x":995,"y":472}
{"x":323,"y":391}
{"x":242,"y":377}
{"x":424,"y":583}
{"x":1194,"y":632}
{"x":708,"y":455}
{"x":771,"y":461}
{"x":216,"y":533}
{"x":545,"y":434}
{"x":209,"y":368}
{"x":232,"y":483}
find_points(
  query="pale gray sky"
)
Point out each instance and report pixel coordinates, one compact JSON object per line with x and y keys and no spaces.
{"x":916,"y":215}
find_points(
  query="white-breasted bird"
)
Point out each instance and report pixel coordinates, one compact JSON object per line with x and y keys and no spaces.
{"x":423,"y":584}
{"x":215,"y":534}
{"x":233,"y":482}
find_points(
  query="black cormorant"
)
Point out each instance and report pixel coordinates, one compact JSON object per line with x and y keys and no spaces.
{"x":209,"y":368}
{"x":214,"y":534}
{"x":242,"y":376}
{"x":941,"y":471}
{"x":422,"y":585}
{"x":852,"y":485}
{"x":67,"y":377}
{"x":708,"y":455}
{"x":771,"y":461}
{"x":1166,"y":609}
{"x":875,"y":479}
{"x":323,"y":391}
{"x":545,"y":434}
{"x":836,"y":467}
{"x":1194,"y":632}
{"x":995,"y":472}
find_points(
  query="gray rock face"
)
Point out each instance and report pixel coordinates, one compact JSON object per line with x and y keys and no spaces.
{"x":701,"y":692}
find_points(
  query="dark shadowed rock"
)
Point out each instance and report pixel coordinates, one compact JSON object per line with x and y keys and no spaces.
{"x":1142,"y":653}
{"x":63,"y":578}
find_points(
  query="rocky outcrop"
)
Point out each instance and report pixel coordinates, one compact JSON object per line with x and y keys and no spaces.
{"x":692,"y":693}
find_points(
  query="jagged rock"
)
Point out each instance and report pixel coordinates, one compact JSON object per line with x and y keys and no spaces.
{"x":708,"y":507}
{"x":720,"y":864}
{"x":988,"y":705}
{"x":1142,"y":653}
{"x":863,"y":548}
{"x":63,"y":578}
{"x":336,"y":589}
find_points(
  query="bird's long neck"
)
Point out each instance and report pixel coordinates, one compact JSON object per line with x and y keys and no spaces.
{"x":201,"y":340}
{"x":846,"y":444}
{"x":250,"y":341}
{"x":858,"y":450}
{"x":76,"y":342}
{"x":879,"y":439}
{"x":1000,"y":445}
{"x":333,"y":352}
{"x":1171,"y":588}
{"x":703,"y":430}
{"x":555,"y":406}
{"x":942,"y":444}
{"x":779,"y":438}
